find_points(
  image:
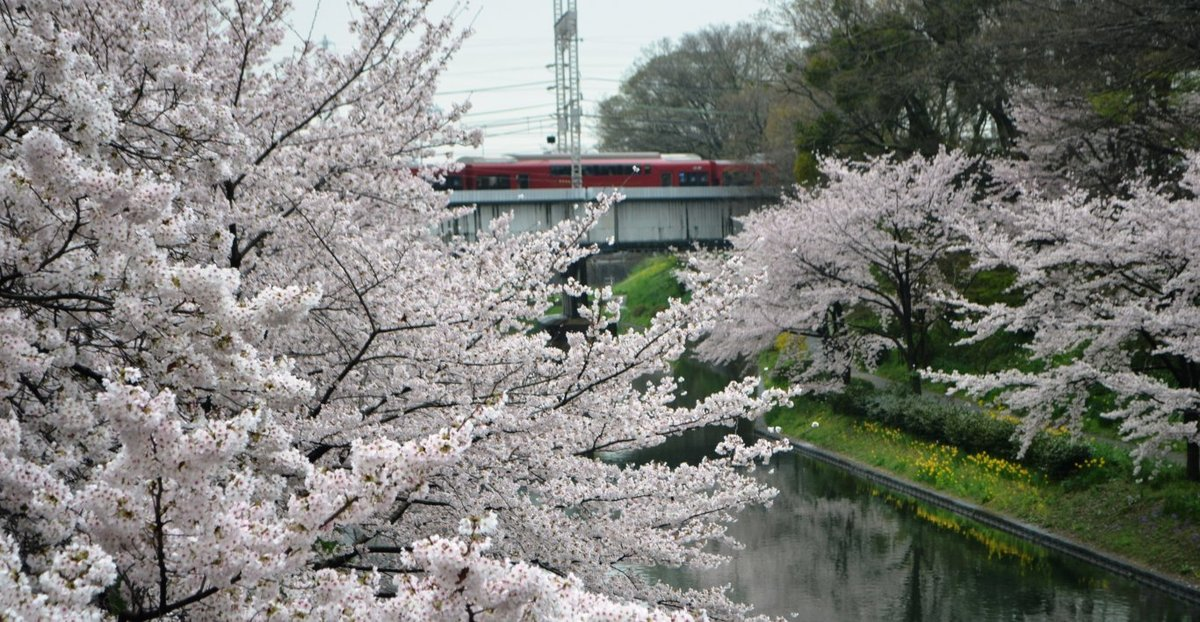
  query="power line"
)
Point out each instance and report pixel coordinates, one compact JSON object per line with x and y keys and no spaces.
{"x":509,"y":122}
{"x":483,"y":72}
{"x":517,"y":109}
{"x":652,"y":108}
{"x":503,"y":87}
{"x":541,"y":128}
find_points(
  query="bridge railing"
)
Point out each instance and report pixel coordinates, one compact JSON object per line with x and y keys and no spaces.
{"x":646,"y":218}
{"x":582,"y":195}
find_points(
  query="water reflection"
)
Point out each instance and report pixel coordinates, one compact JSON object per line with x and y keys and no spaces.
{"x":833,"y":548}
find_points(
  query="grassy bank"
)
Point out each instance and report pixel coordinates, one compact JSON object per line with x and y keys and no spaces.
{"x":647,"y":289}
{"x":1155,"y":523}
{"x":1100,"y":503}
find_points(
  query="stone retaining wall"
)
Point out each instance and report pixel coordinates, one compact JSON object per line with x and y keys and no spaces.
{"x":1183,"y":591}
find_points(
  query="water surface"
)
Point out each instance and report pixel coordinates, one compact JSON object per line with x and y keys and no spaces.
{"x":834,"y":548}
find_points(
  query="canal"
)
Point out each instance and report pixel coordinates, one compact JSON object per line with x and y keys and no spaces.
{"x":834,"y":548}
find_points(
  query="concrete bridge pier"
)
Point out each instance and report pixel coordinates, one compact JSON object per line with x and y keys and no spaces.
{"x":612,"y":268}
{"x":602,"y":269}
{"x":571,"y":304}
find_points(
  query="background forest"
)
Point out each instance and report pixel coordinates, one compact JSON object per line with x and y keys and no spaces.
{"x":1103,"y":90}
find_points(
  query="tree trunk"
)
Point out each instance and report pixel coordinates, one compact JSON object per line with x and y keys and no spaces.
{"x":1193,"y":449}
{"x":914,"y":381}
{"x":1193,"y":461}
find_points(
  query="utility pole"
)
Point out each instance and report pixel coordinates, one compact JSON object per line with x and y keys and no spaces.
{"x":566,"y":86}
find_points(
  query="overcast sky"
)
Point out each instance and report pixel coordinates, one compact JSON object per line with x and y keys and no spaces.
{"x":502,"y":69}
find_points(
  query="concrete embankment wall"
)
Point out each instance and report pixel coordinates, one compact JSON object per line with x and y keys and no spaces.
{"x":1183,"y":591}
{"x":612,"y":268}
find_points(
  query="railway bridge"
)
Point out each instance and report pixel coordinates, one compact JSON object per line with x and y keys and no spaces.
{"x":654,"y":218}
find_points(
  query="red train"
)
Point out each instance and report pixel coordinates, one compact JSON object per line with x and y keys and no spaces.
{"x":621,"y":170}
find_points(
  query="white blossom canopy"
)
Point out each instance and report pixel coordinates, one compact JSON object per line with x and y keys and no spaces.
{"x":1111,"y":297}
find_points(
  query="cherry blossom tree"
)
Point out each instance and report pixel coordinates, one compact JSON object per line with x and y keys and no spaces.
{"x":1111,"y":296}
{"x":856,"y":262}
{"x":241,"y":376}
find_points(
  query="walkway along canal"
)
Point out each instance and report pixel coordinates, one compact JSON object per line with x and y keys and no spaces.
{"x":835,"y":547}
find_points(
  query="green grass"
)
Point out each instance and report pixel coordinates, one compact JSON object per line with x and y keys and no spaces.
{"x":647,"y":290}
{"x":1155,"y":522}
{"x":893,"y":369}
{"x":556,"y":306}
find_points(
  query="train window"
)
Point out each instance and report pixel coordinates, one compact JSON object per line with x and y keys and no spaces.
{"x":665,"y":179}
{"x":693,"y":179}
{"x":522,"y":181}
{"x":560,"y":170}
{"x":493,"y":182}
{"x":613,"y":170}
{"x":737,"y":178}
{"x":452,"y":182}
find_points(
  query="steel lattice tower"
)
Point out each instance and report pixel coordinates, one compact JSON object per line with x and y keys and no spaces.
{"x":566,"y":86}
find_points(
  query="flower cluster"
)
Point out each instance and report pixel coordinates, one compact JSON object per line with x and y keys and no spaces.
{"x":936,"y":462}
{"x":891,"y":434}
{"x":1000,"y":467}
